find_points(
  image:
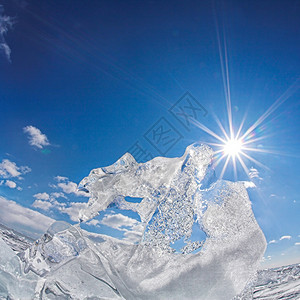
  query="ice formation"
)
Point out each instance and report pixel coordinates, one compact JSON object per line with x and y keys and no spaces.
{"x":275,"y":283}
{"x":180,"y":197}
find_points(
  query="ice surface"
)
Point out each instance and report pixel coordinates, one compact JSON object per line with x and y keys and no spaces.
{"x":14,"y":239}
{"x":275,"y":283}
{"x":61,"y":243}
{"x":14,"y":283}
{"x":180,"y":199}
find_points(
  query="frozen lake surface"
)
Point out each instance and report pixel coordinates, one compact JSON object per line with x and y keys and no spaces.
{"x":270,"y":284}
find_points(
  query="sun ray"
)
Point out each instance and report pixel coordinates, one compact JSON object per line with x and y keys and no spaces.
{"x":207,"y":130}
{"x":236,"y":145}
{"x":215,"y":144}
{"x":225,"y":72}
{"x":290,"y":91}
{"x":224,"y":167}
{"x":234,"y":168}
{"x":228,"y":88}
{"x":263,"y":151}
{"x":241,"y":126}
{"x":250,"y":141}
{"x":254,"y":160}
{"x":221,"y":127}
{"x":218,"y":151}
{"x":260,"y":150}
{"x":243,"y":165}
{"x":219,"y":160}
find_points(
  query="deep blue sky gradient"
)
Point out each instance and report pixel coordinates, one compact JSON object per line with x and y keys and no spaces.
{"x":94,"y":76}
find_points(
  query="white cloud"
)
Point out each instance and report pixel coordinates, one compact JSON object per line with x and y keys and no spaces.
{"x":9,"y":169}
{"x":23,"y":219}
{"x":285,"y":237}
{"x":135,"y":234}
{"x":254,"y":176}
{"x":61,"y":178}
{"x":118,"y":221}
{"x":249,"y":184}
{"x":273,"y":242}
{"x":36,"y":137}
{"x":48,"y":202}
{"x":5,"y":24}
{"x":73,"y":210}
{"x":58,"y":195}
{"x":53,"y":186}
{"x":44,"y":205}
{"x":42,"y":196}
{"x":68,"y":186}
{"x":264,"y":259}
{"x":4,"y":48}
{"x":45,"y":201}
{"x":253,"y":173}
{"x":51,"y":203}
{"x":11,"y":184}
{"x":93,"y":223}
{"x":132,"y":236}
{"x":132,"y":228}
{"x":25,"y":169}
{"x":297,"y":244}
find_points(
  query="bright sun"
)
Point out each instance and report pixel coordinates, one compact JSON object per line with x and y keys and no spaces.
{"x":232,"y":147}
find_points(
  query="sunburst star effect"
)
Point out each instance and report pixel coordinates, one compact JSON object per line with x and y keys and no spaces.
{"x":237,"y":147}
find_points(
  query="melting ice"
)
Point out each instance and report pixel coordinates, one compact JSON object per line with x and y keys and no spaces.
{"x":180,"y":198}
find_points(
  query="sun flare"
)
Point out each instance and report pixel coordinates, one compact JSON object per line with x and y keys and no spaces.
{"x":237,"y":145}
{"x":233,"y":147}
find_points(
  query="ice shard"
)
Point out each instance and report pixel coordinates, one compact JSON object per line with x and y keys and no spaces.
{"x":200,"y":239}
{"x":179,"y":195}
{"x":14,"y":283}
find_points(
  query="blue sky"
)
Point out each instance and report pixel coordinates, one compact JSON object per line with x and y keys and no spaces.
{"x":83,"y":81}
